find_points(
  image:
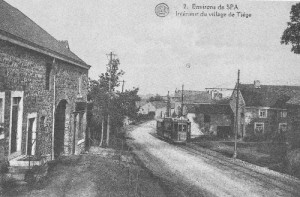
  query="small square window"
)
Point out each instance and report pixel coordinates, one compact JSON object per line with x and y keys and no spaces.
{"x":262,"y":113}
{"x":16,"y":100}
{"x":283,"y":114}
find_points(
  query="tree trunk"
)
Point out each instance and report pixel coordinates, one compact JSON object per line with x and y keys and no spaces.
{"x":108,"y":130}
{"x":102,"y":132}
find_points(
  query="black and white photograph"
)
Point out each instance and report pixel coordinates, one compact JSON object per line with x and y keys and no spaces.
{"x":133,"y":98}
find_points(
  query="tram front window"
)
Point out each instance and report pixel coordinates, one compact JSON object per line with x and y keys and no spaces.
{"x":184,"y":128}
{"x":168,"y":126}
{"x":180,"y":128}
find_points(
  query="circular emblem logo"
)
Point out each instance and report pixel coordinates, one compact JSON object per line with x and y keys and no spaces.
{"x":162,"y":10}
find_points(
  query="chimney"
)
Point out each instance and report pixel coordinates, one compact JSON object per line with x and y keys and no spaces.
{"x":65,"y":43}
{"x":256,"y":84}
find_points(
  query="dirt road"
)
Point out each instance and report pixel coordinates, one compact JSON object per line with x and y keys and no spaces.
{"x":197,"y":174}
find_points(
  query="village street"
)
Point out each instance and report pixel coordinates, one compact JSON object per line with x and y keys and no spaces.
{"x":191,"y":174}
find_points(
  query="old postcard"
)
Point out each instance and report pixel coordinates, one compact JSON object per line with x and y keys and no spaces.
{"x":149,"y":98}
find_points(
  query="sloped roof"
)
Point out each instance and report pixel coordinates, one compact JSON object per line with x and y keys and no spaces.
{"x":223,"y":101}
{"x":295,"y":100}
{"x":191,"y":96}
{"x":159,"y":104}
{"x":141,"y":103}
{"x":209,"y":109}
{"x":268,"y":95}
{"x":18,"y":27}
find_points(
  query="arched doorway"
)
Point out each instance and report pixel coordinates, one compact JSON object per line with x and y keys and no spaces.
{"x":59,"y":128}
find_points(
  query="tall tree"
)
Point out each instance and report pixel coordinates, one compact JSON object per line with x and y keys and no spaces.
{"x":100,"y":95}
{"x":291,"y":34}
{"x":115,"y":103}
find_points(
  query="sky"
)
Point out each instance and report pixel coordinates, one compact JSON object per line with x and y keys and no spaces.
{"x":154,"y":51}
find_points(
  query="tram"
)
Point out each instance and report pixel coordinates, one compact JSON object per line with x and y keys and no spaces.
{"x":174,"y":129}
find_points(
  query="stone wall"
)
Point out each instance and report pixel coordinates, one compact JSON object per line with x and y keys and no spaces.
{"x":271,"y":122}
{"x":25,"y":70}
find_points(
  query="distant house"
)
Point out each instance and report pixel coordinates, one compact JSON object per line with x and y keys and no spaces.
{"x":161,"y":109}
{"x":145,"y":107}
{"x":262,"y":109}
{"x":189,"y":97}
{"x":212,"y":118}
{"x":43,"y":90}
{"x":207,"y":111}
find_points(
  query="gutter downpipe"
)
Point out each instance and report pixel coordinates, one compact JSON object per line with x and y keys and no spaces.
{"x":53,"y":111}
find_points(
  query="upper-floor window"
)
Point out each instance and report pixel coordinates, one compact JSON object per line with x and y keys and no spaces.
{"x":262,"y":113}
{"x":48,"y":74}
{"x":283,"y":114}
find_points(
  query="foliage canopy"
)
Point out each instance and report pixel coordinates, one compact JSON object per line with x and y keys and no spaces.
{"x":291,"y":34}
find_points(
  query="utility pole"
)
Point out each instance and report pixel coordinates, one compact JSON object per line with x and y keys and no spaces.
{"x":168,"y":106}
{"x":109,"y":93}
{"x":236,"y":124}
{"x":53,"y":110}
{"x":123,"y":85}
{"x":182,"y":100}
{"x":236,"y":116}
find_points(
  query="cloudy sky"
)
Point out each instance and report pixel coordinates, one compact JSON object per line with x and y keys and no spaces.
{"x":154,"y":51}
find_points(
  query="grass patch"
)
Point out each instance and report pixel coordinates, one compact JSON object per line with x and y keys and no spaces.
{"x":264,"y":154}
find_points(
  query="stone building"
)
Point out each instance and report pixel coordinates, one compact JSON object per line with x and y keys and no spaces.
{"x":43,"y":90}
{"x":159,"y":108}
{"x":208,"y":112}
{"x":214,"y":118}
{"x":262,"y":109}
{"x":189,"y":97}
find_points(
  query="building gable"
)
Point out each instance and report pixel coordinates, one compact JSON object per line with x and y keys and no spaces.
{"x":17,"y":28}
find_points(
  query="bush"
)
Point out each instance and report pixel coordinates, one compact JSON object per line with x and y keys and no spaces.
{"x":293,"y":139}
{"x":257,"y":137}
{"x":6,"y":183}
{"x":143,"y":117}
{"x":279,"y":137}
{"x":293,"y":162}
{"x":4,"y":166}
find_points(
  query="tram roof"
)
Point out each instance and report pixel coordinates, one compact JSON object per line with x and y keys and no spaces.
{"x":173,"y":120}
